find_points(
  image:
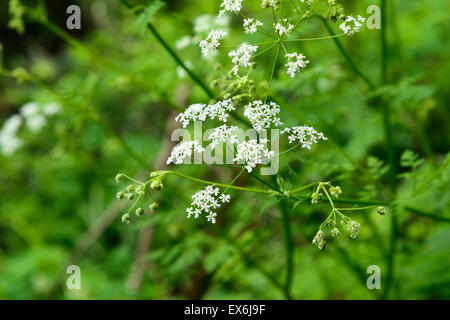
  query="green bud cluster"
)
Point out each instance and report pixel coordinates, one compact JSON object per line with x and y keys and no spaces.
{"x":381,"y":211}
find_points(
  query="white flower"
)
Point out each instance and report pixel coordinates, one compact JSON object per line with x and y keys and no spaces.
{"x":305,"y":135}
{"x":52,"y":108}
{"x":352,"y":25}
{"x":211,"y":42}
{"x":184,"y":42}
{"x":262,"y":115}
{"x":183,"y":150}
{"x":206,"y":22}
{"x":200,"y":112}
{"x":224,"y":198}
{"x":353,"y":227}
{"x":223,"y":134}
{"x":308,"y":2}
{"x":241,"y":56}
{"x":33,"y":117}
{"x":253,"y":153}
{"x":230,"y":6}
{"x":9,"y":142}
{"x":296,"y":61}
{"x":285,"y":27}
{"x":251,"y":25}
{"x":205,"y":200}
{"x":270,"y":3}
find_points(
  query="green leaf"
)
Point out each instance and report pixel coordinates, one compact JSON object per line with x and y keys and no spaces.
{"x":147,"y":13}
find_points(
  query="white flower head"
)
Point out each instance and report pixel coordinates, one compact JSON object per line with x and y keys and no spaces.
{"x":352,"y":25}
{"x":304,"y":135}
{"x":284,"y":27}
{"x":223,"y":134}
{"x":9,"y":142}
{"x":263,"y":115}
{"x":270,"y":4}
{"x":241,"y":57}
{"x":205,"y":200}
{"x":296,"y":62}
{"x":230,"y":6}
{"x":184,"y":150}
{"x":32,"y":114}
{"x":200,"y":112}
{"x":211,"y":43}
{"x":251,"y":25}
{"x":253,"y":153}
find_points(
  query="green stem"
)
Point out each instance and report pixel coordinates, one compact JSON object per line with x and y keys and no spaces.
{"x":289,"y":249}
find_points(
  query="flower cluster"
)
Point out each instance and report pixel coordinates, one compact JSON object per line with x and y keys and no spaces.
{"x":223,"y":134}
{"x":263,"y":115}
{"x":200,"y":112}
{"x":207,"y":200}
{"x":253,"y":153}
{"x":241,"y":57}
{"x":352,"y":25}
{"x":251,"y":25}
{"x":230,"y":6}
{"x":184,"y":150}
{"x":285,"y":27}
{"x":296,"y":62}
{"x":34,"y":116}
{"x":211,"y":42}
{"x":305,"y":135}
{"x":270,"y":4}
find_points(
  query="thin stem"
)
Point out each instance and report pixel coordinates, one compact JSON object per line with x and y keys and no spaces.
{"x":272,"y":72}
{"x":289,"y":249}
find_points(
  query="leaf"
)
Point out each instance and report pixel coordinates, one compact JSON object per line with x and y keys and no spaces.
{"x":147,"y":12}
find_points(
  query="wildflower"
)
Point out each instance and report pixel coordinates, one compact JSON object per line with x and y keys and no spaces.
{"x":206,"y":22}
{"x":224,"y":198}
{"x":253,"y":153}
{"x":200,"y":112}
{"x":381,"y":211}
{"x":223,"y":134}
{"x":270,"y":4}
{"x":183,"y":150}
{"x":335,"y":232}
{"x":251,"y":25}
{"x":205,"y":200}
{"x":305,"y":135}
{"x":211,"y":42}
{"x":32,"y":115}
{"x":262,"y":115}
{"x":230,"y":6}
{"x":285,"y":27}
{"x":52,"y":108}
{"x":296,"y":62}
{"x":352,"y":25}
{"x":319,"y":240}
{"x":241,"y":57}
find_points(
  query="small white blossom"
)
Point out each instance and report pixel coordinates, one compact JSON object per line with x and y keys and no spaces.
{"x":9,"y":142}
{"x":211,"y":42}
{"x":305,"y":135}
{"x":184,"y":42}
{"x":224,"y":198}
{"x":223,"y":134}
{"x":270,"y":3}
{"x":253,"y":153}
{"x":200,"y":112}
{"x":206,"y":22}
{"x":51,"y":109}
{"x":251,"y":25}
{"x":296,"y":62}
{"x":242,"y":56}
{"x":262,"y":115}
{"x":353,"y":227}
{"x":307,"y":2}
{"x":184,"y":150}
{"x":205,"y":200}
{"x":33,"y":117}
{"x":285,"y":27}
{"x":352,"y":25}
{"x":230,"y":6}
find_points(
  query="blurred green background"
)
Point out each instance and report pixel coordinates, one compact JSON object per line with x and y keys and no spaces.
{"x":119,"y":91}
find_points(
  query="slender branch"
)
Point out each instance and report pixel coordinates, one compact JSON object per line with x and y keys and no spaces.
{"x":289,"y":249}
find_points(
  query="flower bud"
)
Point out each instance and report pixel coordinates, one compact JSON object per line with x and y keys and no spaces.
{"x":120,"y":195}
{"x":139,"y":212}
{"x":335,"y":232}
{"x":126,"y":218}
{"x":153,"y":207}
{"x":381,"y":211}
{"x":119,"y":177}
{"x":130,"y":196}
{"x":156,"y":184}
{"x":130,"y":188}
